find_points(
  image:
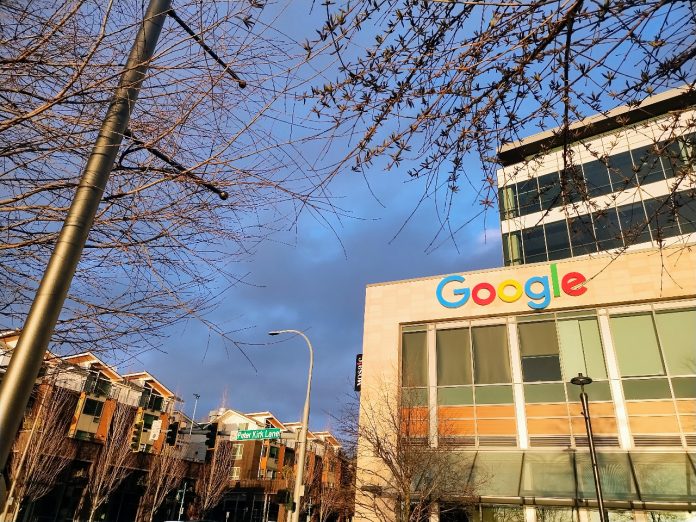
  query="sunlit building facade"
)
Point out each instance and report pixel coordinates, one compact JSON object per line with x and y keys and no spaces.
{"x":488,"y":357}
{"x":629,"y":183}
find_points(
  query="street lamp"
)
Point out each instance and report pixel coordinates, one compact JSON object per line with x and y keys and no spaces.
{"x":302,"y":440}
{"x":582,"y":381}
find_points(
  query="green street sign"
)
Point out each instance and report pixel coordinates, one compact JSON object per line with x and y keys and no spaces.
{"x":268,"y":433}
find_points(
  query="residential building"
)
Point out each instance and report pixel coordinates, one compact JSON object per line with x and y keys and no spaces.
{"x":629,"y":183}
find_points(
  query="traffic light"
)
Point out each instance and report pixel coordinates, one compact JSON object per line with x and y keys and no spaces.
{"x":172,"y":432}
{"x":211,"y":435}
{"x":135,"y":437}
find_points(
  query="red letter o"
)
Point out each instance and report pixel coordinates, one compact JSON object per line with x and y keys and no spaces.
{"x":483,"y":286}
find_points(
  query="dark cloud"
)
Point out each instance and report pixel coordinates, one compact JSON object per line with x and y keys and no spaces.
{"x":316,"y":283}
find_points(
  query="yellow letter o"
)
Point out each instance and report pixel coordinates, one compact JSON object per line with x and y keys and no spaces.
{"x":510,"y":298}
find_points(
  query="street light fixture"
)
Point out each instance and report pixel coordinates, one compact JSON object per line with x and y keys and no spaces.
{"x":302,"y":439}
{"x":582,"y":381}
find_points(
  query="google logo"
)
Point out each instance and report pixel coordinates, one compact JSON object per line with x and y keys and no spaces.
{"x":537,"y":288}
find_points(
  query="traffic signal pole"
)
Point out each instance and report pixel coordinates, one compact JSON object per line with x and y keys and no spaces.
{"x":27,"y":358}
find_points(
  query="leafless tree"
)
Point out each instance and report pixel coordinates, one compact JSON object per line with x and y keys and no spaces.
{"x":112,"y":463}
{"x":162,"y":241}
{"x":43,"y":450}
{"x":438,"y":86}
{"x":164,"y":474}
{"x":401,"y":472}
{"x":214,"y":478}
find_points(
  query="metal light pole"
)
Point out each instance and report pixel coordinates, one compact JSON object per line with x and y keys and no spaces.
{"x":41,"y":321}
{"x":302,"y":440}
{"x":582,"y":380}
{"x":193,"y":419}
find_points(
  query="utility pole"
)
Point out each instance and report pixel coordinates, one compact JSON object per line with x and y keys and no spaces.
{"x":27,"y":358}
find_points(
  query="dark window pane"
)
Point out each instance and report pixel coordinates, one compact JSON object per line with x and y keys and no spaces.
{"x":633,"y":223}
{"x":686,"y":208}
{"x":544,"y":368}
{"x":508,"y":202}
{"x":491,"y":359}
{"x":533,"y":244}
{"x":646,"y":389}
{"x":648,"y":163}
{"x":453,"y":357}
{"x":550,"y":191}
{"x":512,"y":248}
{"x":662,"y":218}
{"x":674,"y":155}
{"x":92,"y":407}
{"x":597,"y":178}
{"x":544,"y":393}
{"x":621,"y":171}
{"x":574,"y":185}
{"x":528,"y":196}
{"x":557,"y":240}
{"x":414,"y":359}
{"x":494,"y":395}
{"x":607,"y":229}
{"x":582,"y":235}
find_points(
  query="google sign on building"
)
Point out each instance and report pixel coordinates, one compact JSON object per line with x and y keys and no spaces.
{"x":539,"y":289}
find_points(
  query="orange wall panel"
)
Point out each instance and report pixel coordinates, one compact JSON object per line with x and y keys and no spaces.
{"x":686,"y":406}
{"x":105,"y":420}
{"x":600,"y":425}
{"x":448,"y":428}
{"x":688,"y":423}
{"x":650,"y":408}
{"x":653,"y":424}
{"x":455,"y":412}
{"x":548,"y":426}
{"x":547,"y":410}
{"x":496,"y":427}
{"x":597,"y":409}
{"x":491,"y":411}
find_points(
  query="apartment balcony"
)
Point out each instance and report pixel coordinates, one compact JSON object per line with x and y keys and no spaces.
{"x":271,"y":486}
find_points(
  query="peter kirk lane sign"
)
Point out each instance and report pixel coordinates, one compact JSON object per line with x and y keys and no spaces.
{"x":268,"y":433}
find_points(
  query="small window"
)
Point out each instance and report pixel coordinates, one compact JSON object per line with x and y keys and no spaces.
{"x":273,"y":452}
{"x":237,"y":450}
{"x":453,"y":357}
{"x":597,"y":178}
{"x":550,"y":191}
{"x":557,"y":240}
{"x":662,"y":217}
{"x":633,"y":223}
{"x":507,"y":202}
{"x":636,"y":345}
{"x":648,"y":163}
{"x":148,"y":420}
{"x":677,"y":331}
{"x":621,"y":171}
{"x":234,"y":473}
{"x":581,"y":348}
{"x":93,"y":408}
{"x":582,"y":235}
{"x":539,"y":351}
{"x":685,"y":203}
{"x":534,"y":245}
{"x":512,"y":248}
{"x":574,"y":184}
{"x":491,"y":359}
{"x":414,"y":359}
{"x":607,"y":229}
{"x":528,"y":196}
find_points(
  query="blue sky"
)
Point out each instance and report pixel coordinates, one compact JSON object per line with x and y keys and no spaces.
{"x":313,"y":279}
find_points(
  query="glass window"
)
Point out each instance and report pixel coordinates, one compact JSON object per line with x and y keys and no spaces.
{"x":456,"y":395}
{"x":549,"y":392}
{"x":550,"y":191}
{"x":491,"y":359}
{"x":512,"y":248}
{"x":547,"y":475}
{"x":148,"y":420}
{"x":582,"y":235}
{"x":677,"y":332}
{"x":497,"y":473}
{"x":414,"y":359}
{"x":621,"y":171}
{"x":633,"y":223}
{"x":539,"y":350}
{"x":501,"y":513}
{"x":645,"y":389}
{"x":528,"y":196}
{"x":92,"y":407}
{"x":662,"y":217}
{"x":674,"y":156}
{"x":575,"y":184}
{"x":597,"y":391}
{"x":597,"y":178}
{"x":636,"y":345}
{"x":684,"y":387}
{"x":453,"y":357}
{"x":556,"y":514}
{"x":494,"y":395}
{"x":557,"y":240}
{"x":414,"y":397}
{"x":533,"y":244}
{"x":507,"y":201}
{"x":666,"y":476}
{"x":614,"y":472}
{"x":648,"y":164}
{"x":581,"y":348}
{"x":685,"y":203}
{"x":607,"y":229}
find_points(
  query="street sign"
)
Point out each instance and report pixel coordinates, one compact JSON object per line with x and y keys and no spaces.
{"x":268,"y":433}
